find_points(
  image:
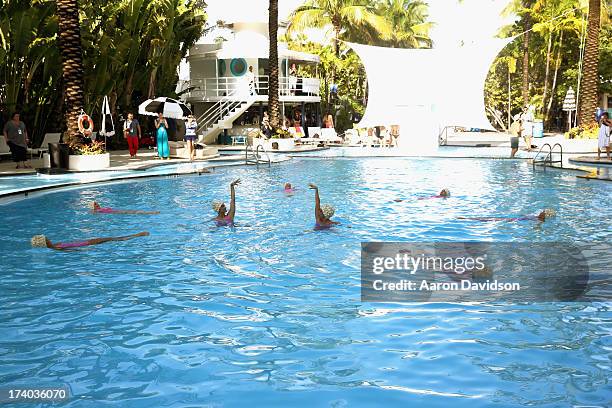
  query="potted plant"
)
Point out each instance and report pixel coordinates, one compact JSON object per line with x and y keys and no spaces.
{"x":88,"y":157}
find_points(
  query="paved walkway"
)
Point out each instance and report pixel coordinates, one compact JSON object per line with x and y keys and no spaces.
{"x":120,"y":160}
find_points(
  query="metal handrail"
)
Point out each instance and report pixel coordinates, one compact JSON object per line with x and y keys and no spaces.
{"x":265,"y":151}
{"x":219,"y":111}
{"x":548,"y":158}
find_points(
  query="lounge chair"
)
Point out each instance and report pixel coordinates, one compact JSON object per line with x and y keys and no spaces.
{"x":44,"y":146}
{"x":329,"y":136}
{"x":4,"y":148}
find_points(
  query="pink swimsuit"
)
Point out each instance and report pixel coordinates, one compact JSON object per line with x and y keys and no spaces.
{"x":67,"y":245}
{"x":106,"y":210}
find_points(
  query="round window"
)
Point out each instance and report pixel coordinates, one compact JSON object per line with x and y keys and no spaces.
{"x":238,"y":66}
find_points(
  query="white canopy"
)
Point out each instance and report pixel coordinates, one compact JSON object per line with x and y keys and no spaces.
{"x":428,"y":88}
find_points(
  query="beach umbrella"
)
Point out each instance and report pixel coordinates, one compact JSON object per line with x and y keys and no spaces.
{"x":171,"y":108}
{"x":106,"y":114}
{"x":569,"y":104}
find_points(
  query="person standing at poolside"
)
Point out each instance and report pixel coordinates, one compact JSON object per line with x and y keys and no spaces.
{"x":224,"y":217}
{"x":40,"y":241}
{"x":328,"y":121}
{"x":603,"y":139}
{"x":250,"y":77}
{"x":323,"y":213}
{"x":190,"y":135}
{"x":515,"y":130}
{"x":131,"y":132}
{"x":16,"y":136}
{"x":163,"y":149}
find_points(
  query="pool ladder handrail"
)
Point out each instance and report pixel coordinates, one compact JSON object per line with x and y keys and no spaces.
{"x":548,"y":158}
{"x":255,"y":154}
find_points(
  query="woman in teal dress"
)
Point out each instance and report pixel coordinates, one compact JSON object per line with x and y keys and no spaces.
{"x":163,"y":150}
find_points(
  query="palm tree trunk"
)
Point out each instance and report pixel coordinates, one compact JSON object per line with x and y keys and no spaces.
{"x":589,"y":84}
{"x":72,"y":65}
{"x":555,"y":75}
{"x":547,"y":70}
{"x":273,"y":104}
{"x":526,"y":27}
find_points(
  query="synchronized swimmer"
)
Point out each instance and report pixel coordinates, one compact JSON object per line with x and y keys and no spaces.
{"x":96,"y":209}
{"x":323,"y":214}
{"x":542,"y":216}
{"x":444,"y":193}
{"x":41,"y":241}
{"x":224,"y":217}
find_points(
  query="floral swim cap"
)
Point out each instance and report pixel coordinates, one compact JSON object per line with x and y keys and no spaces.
{"x":328,"y":210}
{"x":39,"y":241}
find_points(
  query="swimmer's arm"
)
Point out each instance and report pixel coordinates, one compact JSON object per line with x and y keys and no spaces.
{"x":232,"y":210}
{"x":318,"y":213}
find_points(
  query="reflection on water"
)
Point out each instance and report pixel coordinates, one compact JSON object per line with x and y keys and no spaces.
{"x":198,"y":315}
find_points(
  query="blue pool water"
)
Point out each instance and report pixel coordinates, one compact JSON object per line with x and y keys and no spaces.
{"x":269,"y":313}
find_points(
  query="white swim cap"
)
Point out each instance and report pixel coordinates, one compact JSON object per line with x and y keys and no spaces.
{"x":328,"y":210}
{"x":216,"y":204}
{"x":39,"y":241}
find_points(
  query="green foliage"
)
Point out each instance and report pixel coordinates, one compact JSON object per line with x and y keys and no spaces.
{"x":391,"y":23}
{"x":131,"y":49}
{"x":583,"y":132}
{"x":86,"y":149}
{"x":554,"y":42}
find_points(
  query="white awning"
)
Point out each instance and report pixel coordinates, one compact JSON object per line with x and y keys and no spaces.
{"x":428,"y":88}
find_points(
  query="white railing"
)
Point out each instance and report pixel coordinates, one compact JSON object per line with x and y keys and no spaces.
{"x":225,"y":86}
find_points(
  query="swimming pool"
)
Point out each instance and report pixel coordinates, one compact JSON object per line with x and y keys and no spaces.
{"x":268,"y":313}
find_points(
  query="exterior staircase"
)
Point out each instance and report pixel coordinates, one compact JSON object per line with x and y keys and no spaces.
{"x":222,"y":115}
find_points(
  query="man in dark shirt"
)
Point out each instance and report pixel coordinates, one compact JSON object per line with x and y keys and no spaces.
{"x":131,"y":132}
{"x":16,"y":136}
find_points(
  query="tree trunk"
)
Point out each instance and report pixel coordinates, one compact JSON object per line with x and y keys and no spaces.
{"x":555,"y":75}
{"x":589,"y":84}
{"x":547,"y":69}
{"x":273,"y":104}
{"x":526,"y":27}
{"x":72,"y":65}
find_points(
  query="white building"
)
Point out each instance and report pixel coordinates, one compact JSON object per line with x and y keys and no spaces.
{"x":218,"y":84}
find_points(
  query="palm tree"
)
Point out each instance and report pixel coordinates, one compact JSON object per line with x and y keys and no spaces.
{"x":273,"y":64}
{"x":69,"y":40}
{"x":408,"y":20}
{"x":340,"y":15}
{"x":589,"y":84}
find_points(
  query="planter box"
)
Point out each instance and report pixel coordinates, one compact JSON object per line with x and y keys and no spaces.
{"x":89,"y":162}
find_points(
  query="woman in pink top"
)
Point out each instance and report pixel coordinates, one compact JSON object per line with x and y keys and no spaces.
{"x":40,"y":241}
{"x":224,"y":217}
{"x":95,"y":207}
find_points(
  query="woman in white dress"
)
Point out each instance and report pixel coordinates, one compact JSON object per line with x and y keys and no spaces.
{"x":603,"y":141}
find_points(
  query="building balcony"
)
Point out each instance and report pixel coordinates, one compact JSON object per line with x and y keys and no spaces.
{"x":291,"y":89}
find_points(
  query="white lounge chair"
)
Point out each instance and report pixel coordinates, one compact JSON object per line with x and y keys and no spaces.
{"x":4,"y":148}
{"x":329,"y":135}
{"x":314,"y":132}
{"x":44,"y":146}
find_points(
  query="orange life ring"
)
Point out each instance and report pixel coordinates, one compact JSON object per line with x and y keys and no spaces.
{"x":86,"y":131}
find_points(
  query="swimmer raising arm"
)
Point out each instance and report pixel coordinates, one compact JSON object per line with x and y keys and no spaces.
{"x":323,"y":213}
